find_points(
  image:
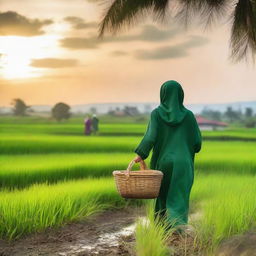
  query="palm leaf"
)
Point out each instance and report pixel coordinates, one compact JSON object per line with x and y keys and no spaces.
{"x":243,"y":36}
{"x":207,"y":10}
{"x":126,"y":12}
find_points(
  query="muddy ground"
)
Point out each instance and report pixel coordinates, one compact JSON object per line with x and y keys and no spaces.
{"x":111,"y":233}
{"x":107,"y":233}
{"x":239,"y":245}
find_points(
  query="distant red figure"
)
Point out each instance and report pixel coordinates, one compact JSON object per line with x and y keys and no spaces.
{"x":87,"y":126}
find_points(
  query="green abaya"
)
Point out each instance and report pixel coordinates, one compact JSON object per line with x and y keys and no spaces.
{"x":174,"y":136}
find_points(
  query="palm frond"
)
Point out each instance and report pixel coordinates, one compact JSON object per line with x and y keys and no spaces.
{"x":243,"y":35}
{"x":207,"y":10}
{"x":125,"y":13}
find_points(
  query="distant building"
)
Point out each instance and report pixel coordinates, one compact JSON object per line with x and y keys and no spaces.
{"x":127,"y":111}
{"x":131,"y":111}
{"x":210,"y":125}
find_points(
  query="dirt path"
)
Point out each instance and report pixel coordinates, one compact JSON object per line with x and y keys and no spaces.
{"x":108,"y":233}
{"x":111,"y":233}
{"x":239,"y":245}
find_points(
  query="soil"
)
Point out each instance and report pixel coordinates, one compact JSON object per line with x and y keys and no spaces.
{"x":111,"y":233}
{"x":107,"y":233}
{"x":240,"y":245}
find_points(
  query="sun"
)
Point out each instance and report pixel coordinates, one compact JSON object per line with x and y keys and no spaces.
{"x":14,"y":67}
{"x":16,"y":53}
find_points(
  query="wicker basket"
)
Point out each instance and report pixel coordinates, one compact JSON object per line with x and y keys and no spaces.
{"x":143,"y":184}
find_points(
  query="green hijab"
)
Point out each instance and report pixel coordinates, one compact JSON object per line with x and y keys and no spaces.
{"x":171,"y":108}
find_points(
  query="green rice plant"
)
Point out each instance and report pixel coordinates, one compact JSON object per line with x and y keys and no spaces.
{"x":152,"y":235}
{"x":71,"y":129}
{"x":38,"y":128}
{"x":122,"y":126}
{"x":228,"y":206}
{"x":231,"y":134}
{"x":23,"y":170}
{"x":41,"y":143}
{"x":41,"y":206}
{"x":226,"y":157}
{"x":36,"y":144}
{"x":20,"y":171}
{"x":75,"y":119}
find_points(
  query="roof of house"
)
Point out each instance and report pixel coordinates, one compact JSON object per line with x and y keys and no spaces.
{"x":203,"y":121}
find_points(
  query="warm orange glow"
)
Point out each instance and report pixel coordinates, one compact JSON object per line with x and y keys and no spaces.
{"x":17,"y":53}
{"x":73,"y":66}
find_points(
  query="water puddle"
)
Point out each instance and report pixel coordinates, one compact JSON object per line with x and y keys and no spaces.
{"x":110,"y":233}
{"x":103,"y":244}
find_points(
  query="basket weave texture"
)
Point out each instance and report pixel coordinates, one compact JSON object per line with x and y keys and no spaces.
{"x":142,"y":184}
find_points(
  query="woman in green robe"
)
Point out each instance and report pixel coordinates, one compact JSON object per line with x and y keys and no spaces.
{"x":174,"y":136}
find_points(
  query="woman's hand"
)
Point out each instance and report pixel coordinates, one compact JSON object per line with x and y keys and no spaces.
{"x":137,"y":159}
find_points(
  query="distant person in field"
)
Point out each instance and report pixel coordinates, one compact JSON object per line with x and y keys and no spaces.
{"x":87,"y":125}
{"x":95,"y":124}
{"x":174,"y":136}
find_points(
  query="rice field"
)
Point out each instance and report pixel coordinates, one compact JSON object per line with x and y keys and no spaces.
{"x":41,"y":206}
{"x":227,"y":204}
{"x":110,"y":126}
{"x":21,"y":170}
{"x":36,"y":144}
{"x":50,"y":174}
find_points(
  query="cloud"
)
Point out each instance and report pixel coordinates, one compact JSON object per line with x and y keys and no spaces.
{"x":53,"y":63}
{"x":171,"y":52}
{"x":12,"y":23}
{"x":195,"y":41}
{"x":118,"y":53}
{"x":148,"y":33}
{"x":168,"y":52}
{"x":1,"y":57}
{"x":153,"y":34}
{"x":79,"y":43}
{"x":79,"y":23}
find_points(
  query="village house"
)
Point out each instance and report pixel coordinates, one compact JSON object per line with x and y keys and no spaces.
{"x":209,"y":125}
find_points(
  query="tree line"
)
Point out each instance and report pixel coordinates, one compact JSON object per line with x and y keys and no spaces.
{"x":246,"y":118}
{"x":59,"y":111}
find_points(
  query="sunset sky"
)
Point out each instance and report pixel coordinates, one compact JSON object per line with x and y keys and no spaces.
{"x":49,"y":52}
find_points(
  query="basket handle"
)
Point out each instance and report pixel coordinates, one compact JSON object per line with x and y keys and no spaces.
{"x":143,"y":165}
